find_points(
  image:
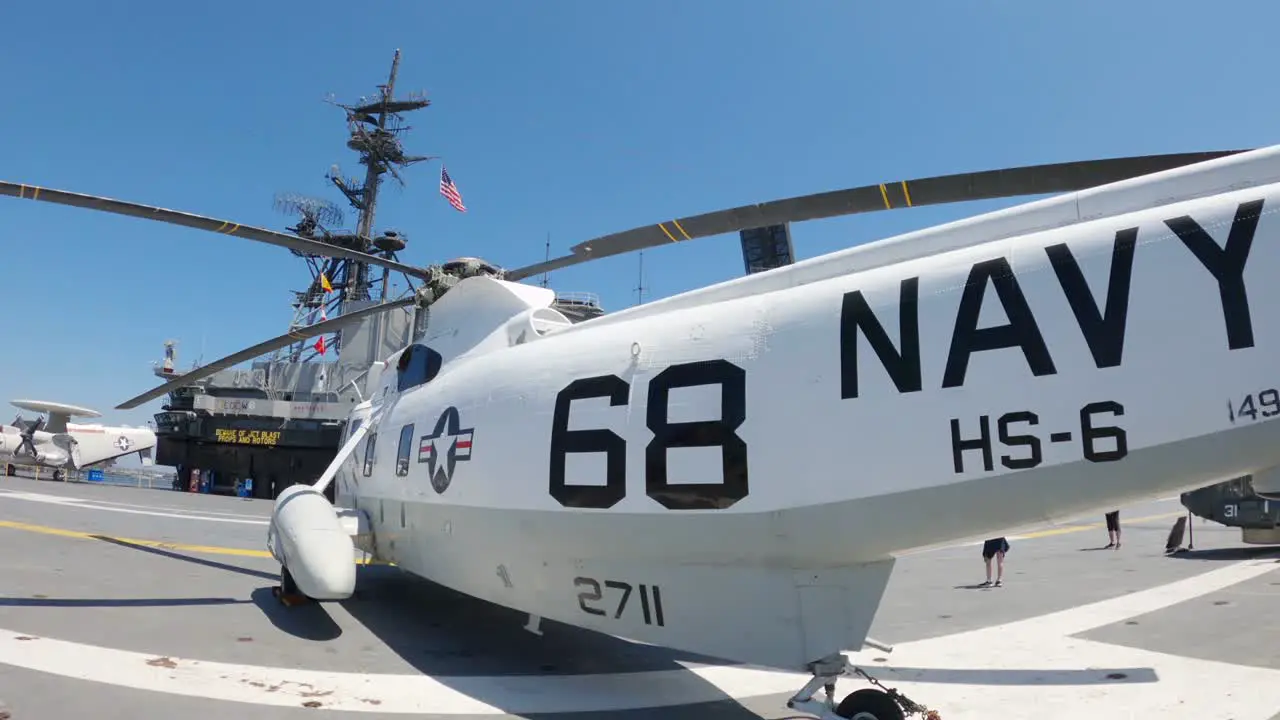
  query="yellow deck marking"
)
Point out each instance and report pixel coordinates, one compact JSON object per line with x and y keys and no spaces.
{"x":158,"y":544}
{"x":244,"y":552}
{"x":1094,"y":526}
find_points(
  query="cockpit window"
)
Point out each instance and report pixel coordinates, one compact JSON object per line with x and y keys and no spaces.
{"x":354,"y":426}
{"x":418,"y":365}
{"x":370,"y":445}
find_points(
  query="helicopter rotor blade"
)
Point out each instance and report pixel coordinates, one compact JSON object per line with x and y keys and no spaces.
{"x":961,"y":187}
{"x":200,"y":222}
{"x":293,"y":336}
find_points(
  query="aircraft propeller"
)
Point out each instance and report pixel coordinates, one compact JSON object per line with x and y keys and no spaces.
{"x":27,"y":433}
{"x":962,"y":187}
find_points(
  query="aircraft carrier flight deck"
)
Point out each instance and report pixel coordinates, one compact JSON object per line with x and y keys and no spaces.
{"x":125,"y":603}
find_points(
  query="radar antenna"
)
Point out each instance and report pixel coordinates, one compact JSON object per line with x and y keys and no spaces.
{"x":375,"y":129}
{"x":314,"y":214}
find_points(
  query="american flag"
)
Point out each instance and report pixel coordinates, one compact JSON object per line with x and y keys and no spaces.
{"x":450,"y":191}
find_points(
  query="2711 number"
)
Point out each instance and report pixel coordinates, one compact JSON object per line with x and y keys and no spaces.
{"x":650,"y":599}
{"x":1267,"y":404}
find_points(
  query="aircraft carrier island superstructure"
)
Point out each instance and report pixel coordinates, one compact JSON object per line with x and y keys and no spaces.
{"x":279,"y":422}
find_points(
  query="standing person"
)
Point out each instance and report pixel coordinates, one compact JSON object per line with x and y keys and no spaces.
{"x":994,"y":548}
{"x":1113,"y":529}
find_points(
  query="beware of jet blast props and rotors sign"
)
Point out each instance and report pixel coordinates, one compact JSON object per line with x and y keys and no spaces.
{"x":802,"y":552}
{"x":1103,"y":329}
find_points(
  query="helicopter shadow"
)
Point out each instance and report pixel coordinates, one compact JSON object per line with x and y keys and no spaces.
{"x":460,"y":635}
{"x":463,"y":642}
{"x":308,"y":622}
{"x":172,"y":555}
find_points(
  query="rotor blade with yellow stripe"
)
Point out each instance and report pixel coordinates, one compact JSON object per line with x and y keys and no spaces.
{"x":963,"y":187}
{"x":200,"y":222}
{"x":303,"y":333}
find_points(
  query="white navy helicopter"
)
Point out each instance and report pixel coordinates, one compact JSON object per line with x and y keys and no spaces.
{"x":731,"y":471}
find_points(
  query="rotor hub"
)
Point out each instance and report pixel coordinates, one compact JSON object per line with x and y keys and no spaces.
{"x":465,"y":267}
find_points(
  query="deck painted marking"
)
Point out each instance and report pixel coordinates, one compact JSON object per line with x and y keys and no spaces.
{"x":218,"y":550}
{"x":964,"y":674}
{"x":87,"y":504}
{"x":359,"y":557}
{"x":961,"y":674}
{"x":158,"y":544}
{"x":167,"y":508}
{"x":1066,"y":529}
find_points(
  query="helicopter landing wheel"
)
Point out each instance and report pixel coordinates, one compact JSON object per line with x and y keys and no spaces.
{"x":287,"y":591}
{"x":869,"y":704}
{"x":878,"y":703}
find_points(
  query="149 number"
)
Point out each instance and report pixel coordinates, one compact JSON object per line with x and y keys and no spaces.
{"x":1267,"y":404}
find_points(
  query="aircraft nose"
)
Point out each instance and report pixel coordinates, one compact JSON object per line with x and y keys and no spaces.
{"x":317,"y":549}
{"x":324,"y":566}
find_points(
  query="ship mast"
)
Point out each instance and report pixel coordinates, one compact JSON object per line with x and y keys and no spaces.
{"x":375,"y":127}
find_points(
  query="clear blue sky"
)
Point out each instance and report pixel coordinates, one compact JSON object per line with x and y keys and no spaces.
{"x":570,"y":118}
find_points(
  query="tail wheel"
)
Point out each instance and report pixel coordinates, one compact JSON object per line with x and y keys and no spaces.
{"x":869,"y":704}
{"x":287,"y":591}
{"x":287,"y":585}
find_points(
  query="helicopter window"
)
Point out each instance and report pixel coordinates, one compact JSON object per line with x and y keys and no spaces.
{"x":418,"y":365}
{"x":355,"y":425}
{"x":368,"y":453}
{"x":402,"y":452}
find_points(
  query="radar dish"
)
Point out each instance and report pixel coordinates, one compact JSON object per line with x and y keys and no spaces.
{"x":315,"y":210}
{"x":43,"y":406}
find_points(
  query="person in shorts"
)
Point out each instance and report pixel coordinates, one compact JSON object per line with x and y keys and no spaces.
{"x":1113,"y":529}
{"x":994,"y":548}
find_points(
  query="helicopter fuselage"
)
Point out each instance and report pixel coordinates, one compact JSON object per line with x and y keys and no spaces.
{"x":665,"y":476}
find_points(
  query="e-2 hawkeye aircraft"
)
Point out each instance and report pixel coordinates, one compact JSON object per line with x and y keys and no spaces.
{"x":731,"y":471}
{"x":63,"y":445}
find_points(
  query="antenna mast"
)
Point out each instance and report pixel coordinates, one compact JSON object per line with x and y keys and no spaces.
{"x":546,"y":275}
{"x":640,"y":288}
{"x":375,"y":127}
